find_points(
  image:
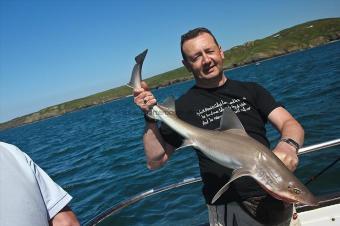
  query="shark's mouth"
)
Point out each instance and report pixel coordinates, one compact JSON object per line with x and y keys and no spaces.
{"x":278,"y":196}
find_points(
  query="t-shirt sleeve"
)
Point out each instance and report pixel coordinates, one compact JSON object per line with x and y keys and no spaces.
{"x":265,"y":101}
{"x":55,"y":198}
{"x":170,"y":136}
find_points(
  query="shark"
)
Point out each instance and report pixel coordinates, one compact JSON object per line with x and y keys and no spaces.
{"x":231,"y":147}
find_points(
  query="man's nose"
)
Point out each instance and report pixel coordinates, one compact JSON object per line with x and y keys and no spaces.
{"x":205,"y":59}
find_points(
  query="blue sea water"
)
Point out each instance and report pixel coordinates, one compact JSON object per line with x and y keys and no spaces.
{"x":96,"y":154}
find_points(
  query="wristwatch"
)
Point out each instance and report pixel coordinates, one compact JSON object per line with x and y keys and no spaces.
{"x":292,"y":143}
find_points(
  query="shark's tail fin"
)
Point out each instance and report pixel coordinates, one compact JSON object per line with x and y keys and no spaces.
{"x":136,"y":76}
{"x":140,"y":58}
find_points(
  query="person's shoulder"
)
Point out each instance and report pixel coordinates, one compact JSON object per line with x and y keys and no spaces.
{"x":8,"y":148}
{"x":244,"y":83}
{"x":13,"y":151}
{"x":251,"y":86}
{"x":186,"y":97}
{"x":248,"y":85}
{"x":6,"y":145}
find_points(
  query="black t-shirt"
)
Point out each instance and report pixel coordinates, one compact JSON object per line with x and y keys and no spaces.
{"x":203,"y":108}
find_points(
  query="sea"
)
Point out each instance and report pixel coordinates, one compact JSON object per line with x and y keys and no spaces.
{"x":96,"y":154}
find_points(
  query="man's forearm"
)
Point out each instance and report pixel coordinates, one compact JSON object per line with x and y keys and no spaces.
{"x":286,"y":149}
{"x":289,"y":128}
{"x":293,"y":130}
{"x":157,"y":151}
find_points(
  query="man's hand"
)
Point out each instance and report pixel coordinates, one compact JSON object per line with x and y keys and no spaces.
{"x":144,"y":99}
{"x":287,"y":154}
{"x":288,"y":127}
{"x":65,"y":217}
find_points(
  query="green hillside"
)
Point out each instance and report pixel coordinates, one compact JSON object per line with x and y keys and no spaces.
{"x":297,"y":38}
{"x":300,"y":37}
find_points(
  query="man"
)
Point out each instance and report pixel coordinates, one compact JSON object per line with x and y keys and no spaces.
{"x":28,"y":195}
{"x":245,"y":203}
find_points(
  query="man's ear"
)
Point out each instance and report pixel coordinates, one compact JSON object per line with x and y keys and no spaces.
{"x":187,"y":65}
{"x":221,"y":52}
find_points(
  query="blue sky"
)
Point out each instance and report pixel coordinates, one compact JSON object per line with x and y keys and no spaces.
{"x":56,"y":51}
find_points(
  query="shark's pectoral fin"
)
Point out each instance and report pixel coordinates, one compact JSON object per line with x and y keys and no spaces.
{"x":186,"y":143}
{"x":169,"y":103}
{"x":235,"y":175}
{"x":150,"y":115}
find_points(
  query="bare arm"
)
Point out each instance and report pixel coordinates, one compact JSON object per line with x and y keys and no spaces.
{"x":64,"y":218}
{"x":157,"y":151}
{"x":288,"y":128}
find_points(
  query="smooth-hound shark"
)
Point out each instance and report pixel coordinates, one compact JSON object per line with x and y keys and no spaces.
{"x":233,"y":148}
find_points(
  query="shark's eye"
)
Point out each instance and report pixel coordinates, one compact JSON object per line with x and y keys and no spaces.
{"x":294,"y":190}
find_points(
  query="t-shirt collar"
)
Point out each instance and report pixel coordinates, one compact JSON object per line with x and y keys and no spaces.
{"x":214,"y":88}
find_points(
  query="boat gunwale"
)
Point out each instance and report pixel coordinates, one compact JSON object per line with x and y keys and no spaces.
{"x":324,"y":200}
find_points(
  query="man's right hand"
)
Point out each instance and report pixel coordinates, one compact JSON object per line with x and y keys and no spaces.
{"x":143,"y":98}
{"x":157,"y":151}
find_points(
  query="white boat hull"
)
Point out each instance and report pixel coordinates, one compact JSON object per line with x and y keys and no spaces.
{"x":326,"y":214}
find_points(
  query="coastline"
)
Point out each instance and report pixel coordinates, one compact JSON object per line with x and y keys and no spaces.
{"x":253,"y":52}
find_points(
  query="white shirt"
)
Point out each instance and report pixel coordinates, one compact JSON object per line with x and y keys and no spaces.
{"x":28,"y":196}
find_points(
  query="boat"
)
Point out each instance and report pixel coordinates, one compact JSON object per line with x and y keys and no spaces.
{"x":327,"y":213}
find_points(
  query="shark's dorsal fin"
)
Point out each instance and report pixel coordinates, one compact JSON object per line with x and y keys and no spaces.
{"x":237,"y":173}
{"x":229,"y":120}
{"x":169,"y":103}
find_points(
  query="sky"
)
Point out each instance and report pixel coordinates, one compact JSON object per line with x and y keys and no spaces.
{"x":56,"y":51}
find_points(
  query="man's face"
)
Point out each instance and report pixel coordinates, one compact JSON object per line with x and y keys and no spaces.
{"x":204,"y":58}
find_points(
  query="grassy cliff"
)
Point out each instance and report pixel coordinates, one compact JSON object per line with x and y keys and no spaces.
{"x":297,"y":38}
{"x":300,"y":37}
